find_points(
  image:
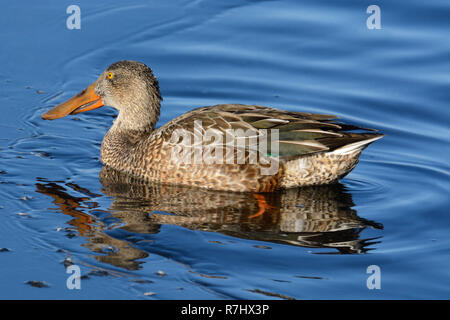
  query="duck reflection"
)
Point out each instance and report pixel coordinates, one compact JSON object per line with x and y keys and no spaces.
{"x":315,"y":217}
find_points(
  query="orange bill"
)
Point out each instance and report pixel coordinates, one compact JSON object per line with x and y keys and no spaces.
{"x":84,"y":101}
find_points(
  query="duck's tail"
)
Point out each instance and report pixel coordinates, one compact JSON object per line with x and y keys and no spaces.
{"x":363,"y":141}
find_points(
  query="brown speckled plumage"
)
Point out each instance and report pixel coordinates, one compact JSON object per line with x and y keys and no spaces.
{"x":310,"y":209}
{"x":314,"y":149}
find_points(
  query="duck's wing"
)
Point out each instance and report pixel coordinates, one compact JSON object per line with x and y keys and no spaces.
{"x":297,"y":133}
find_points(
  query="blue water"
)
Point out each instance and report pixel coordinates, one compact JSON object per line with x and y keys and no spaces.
{"x":316,"y":56}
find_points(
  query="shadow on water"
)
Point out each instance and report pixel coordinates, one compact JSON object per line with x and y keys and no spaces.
{"x":315,"y":217}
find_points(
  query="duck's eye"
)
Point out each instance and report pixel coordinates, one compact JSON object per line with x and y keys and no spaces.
{"x":110,"y":75}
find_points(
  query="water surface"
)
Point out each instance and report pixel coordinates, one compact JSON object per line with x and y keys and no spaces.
{"x":58,"y":206}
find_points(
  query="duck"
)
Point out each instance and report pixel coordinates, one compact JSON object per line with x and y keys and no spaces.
{"x":226,"y":147}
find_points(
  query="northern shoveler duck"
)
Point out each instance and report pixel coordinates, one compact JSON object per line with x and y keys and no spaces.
{"x":305,"y":148}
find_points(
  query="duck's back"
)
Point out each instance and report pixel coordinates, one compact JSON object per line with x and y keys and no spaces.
{"x":250,"y":148}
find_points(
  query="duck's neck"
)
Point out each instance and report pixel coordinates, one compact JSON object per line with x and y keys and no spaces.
{"x":134,"y":117}
{"x":120,"y":144}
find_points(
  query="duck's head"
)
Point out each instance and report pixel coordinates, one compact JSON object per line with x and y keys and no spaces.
{"x":128,"y":86}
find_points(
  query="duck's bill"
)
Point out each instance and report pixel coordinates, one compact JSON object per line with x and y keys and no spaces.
{"x":84,"y":101}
